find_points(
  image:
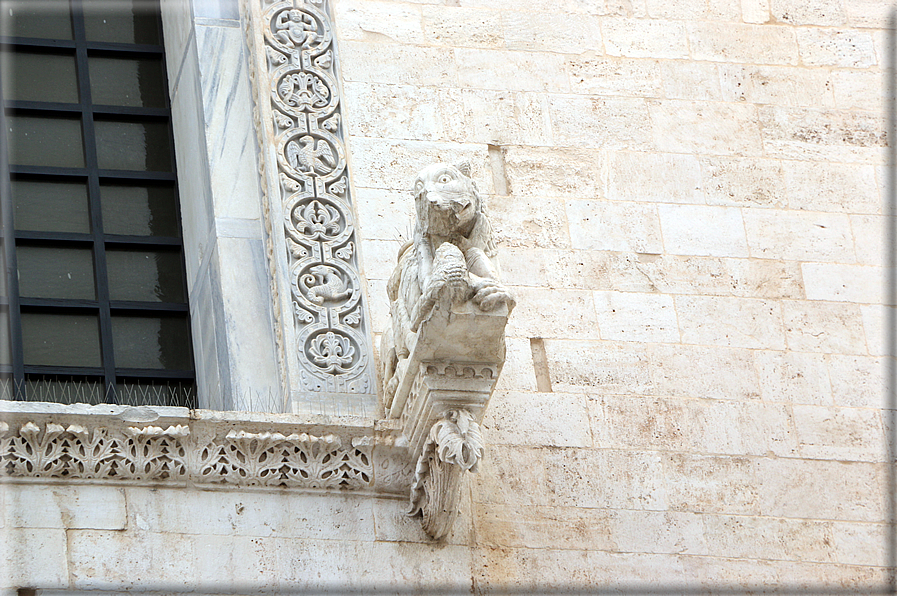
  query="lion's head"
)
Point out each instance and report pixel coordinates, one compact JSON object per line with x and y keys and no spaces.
{"x":448,"y":205}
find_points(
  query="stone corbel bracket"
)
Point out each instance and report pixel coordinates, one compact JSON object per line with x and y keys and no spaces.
{"x":454,"y":362}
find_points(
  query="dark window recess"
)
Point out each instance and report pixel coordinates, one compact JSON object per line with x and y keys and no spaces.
{"x":93,"y":297}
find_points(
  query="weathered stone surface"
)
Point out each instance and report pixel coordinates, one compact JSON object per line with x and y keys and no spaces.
{"x":629,"y":316}
{"x":554,"y":313}
{"x":67,"y":507}
{"x":844,"y":283}
{"x":646,"y":177}
{"x":780,"y":85}
{"x":616,"y":226}
{"x":715,"y":128}
{"x":598,"y":122}
{"x":511,"y":71}
{"x":734,"y":322}
{"x":539,"y":526}
{"x":694,"y":483}
{"x":500,"y":118}
{"x":592,"y":74}
{"x":548,"y":31}
{"x":859,"y":381}
{"x":810,"y":134}
{"x":538,"y":419}
{"x":703,"y":230}
{"x":869,"y":239}
{"x":744,"y":537}
{"x":373,"y":62}
{"x":841,"y":490}
{"x":743,"y":182}
{"x":411,"y":112}
{"x":823,"y":327}
{"x":469,"y":27}
{"x":799,"y":236}
{"x":642,"y":38}
{"x":808,"y":12}
{"x":793,"y":377}
{"x":34,"y":556}
{"x":541,"y":172}
{"x":831,"y":187}
{"x":689,"y":210}
{"x":875,"y":326}
{"x":522,"y":221}
{"x":606,"y":478}
{"x":379,"y":21}
{"x":674,"y":373}
{"x":846,"y":434}
{"x":729,"y":42}
{"x":833,"y":47}
{"x":585,"y":366}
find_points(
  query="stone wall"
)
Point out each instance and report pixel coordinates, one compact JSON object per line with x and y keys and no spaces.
{"x":689,"y":200}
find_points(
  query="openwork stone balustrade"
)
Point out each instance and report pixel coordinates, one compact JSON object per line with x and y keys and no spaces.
{"x":176,"y":446}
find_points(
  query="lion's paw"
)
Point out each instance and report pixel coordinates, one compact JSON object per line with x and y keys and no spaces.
{"x":491,"y":294}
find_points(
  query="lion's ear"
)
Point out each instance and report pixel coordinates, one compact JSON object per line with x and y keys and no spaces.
{"x":464,"y":168}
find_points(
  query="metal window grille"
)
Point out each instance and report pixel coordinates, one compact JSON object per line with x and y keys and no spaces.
{"x":143,"y":345}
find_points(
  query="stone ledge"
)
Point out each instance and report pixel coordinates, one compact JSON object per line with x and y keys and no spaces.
{"x":152,"y":445}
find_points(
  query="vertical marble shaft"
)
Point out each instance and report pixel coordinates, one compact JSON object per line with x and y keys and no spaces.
{"x":323,"y":328}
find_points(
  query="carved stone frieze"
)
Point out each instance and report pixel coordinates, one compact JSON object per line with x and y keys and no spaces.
{"x":326,"y":346}
{"x":98,"y":444}
{"x":445,"y":346}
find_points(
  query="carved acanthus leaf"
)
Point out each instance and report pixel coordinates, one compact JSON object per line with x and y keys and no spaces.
{"x":152,"y":454}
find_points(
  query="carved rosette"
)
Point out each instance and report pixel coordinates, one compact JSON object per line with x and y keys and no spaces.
{"x":331,"y":339}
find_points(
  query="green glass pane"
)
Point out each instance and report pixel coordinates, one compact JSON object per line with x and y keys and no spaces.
{"x":145,"y":275}
{"x":5,"y":339}
{"x":123,"y":21}
{"x":140,"y":210}
{"x":127,"y":82}
{"x":60,"y":340}
{"x":55,"y":272}
{"x":151,"y":342}
{"x":45,"y":141}
{"x":35,"y":18}
{"x":4,"y":295}
{"x":51,"y":206}
{"x":133,"y":145}
{"x":56,"y":82}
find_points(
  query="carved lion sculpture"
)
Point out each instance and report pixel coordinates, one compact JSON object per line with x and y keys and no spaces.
{"x":447,"y":262}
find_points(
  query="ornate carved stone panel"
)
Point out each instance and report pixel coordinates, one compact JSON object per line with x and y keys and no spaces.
{"x":325,"y":341}
{"x":120,"y":444}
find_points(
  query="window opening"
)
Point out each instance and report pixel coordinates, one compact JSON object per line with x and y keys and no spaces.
{"x":93,"y":303}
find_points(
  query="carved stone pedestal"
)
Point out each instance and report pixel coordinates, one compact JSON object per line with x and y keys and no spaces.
{"x":445,"y":345}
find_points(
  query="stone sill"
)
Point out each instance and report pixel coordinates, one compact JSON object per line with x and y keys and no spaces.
{"x":157,"y":445}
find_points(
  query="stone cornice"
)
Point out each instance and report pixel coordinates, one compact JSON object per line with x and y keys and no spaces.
{"x":147,"y":445}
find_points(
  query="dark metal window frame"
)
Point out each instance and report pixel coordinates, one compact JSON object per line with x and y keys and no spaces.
{"x":103,"y":307}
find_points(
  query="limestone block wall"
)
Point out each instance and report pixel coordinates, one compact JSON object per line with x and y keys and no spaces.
{"x":689,"y":202}
{"x":688,"y":197}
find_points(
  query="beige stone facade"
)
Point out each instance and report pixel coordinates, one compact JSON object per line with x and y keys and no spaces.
{"x":689,"y":199}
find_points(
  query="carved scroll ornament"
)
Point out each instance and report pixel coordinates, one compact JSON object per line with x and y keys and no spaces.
{"x":445,"y":347}
{"x":301,"y":140}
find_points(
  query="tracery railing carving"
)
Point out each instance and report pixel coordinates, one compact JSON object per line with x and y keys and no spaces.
{"x":90,"y":446}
